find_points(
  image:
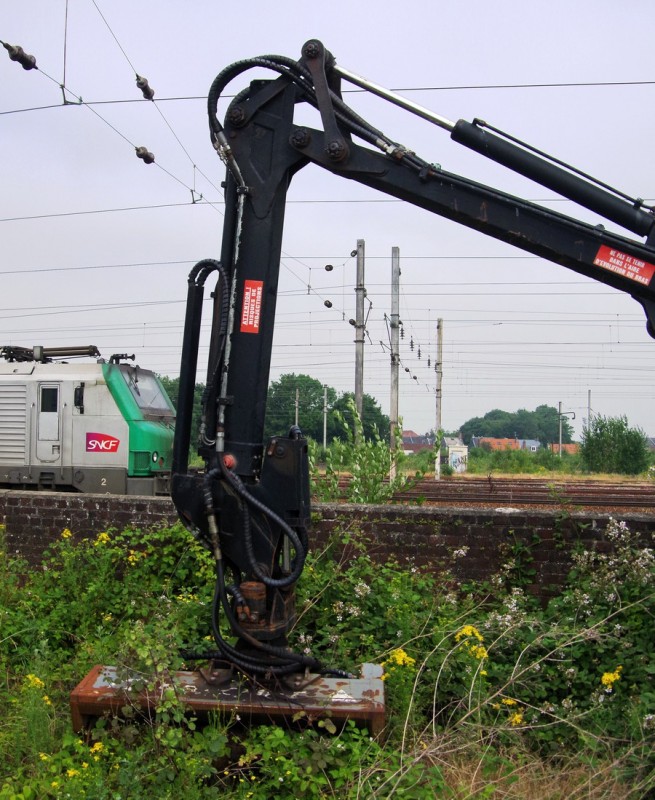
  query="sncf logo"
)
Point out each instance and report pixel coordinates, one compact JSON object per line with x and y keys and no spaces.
{"x":101,"y":443}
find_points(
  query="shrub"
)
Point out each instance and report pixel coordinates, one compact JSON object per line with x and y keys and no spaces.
{"x":610,"y":445}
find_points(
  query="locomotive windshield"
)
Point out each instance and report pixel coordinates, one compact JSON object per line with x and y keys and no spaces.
{"x":147,"y":391}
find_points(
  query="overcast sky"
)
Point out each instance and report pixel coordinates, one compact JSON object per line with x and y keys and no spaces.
{"x":96,"y":245}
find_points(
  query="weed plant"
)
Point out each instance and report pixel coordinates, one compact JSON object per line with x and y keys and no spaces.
{"x":375,"y":471}
{"x":489,"y":694}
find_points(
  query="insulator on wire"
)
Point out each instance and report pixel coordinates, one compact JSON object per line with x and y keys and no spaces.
{"x":402,"y":331}
{"x":146,"y":90}
{"x":16,"y":53}
{"x":145,"y":155}
{"x":419,"y":352}
{"x":428,"y":362}
{"x":411,"y":343}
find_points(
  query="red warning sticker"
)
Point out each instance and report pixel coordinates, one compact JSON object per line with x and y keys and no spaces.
{"x":630,"y":267}
{"x":252,"y":306}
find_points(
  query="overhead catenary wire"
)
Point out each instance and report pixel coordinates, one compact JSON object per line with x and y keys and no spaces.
{"x":139,"y":150}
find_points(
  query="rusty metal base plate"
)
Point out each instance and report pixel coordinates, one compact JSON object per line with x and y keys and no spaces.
{"x":307,"y":697}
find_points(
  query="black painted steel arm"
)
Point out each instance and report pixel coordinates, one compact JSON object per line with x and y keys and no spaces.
{"x":250,"y":505}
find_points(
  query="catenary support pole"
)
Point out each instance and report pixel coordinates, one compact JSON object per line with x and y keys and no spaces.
{"x":439,"y":370}
{"x":395,"y":355}
{"x":360,"y":294}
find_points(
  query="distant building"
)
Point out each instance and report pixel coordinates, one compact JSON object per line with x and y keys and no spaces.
{"x":491,"y":443}
{"x":572,"y":449}
{"x":414,"y":442}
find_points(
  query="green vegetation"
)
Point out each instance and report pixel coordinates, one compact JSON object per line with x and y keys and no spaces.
{"x":610,"y":445}
{"x":489,"y":694}
{"x":281,"y":410}
{"x":520,"y":462}
{"x":369,"y":462}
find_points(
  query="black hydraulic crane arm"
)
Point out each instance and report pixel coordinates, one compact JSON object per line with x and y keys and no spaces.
{"x":251,"y":504}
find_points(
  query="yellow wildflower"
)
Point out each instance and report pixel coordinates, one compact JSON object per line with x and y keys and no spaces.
{"x":479,"y":651}
{"x":516,"y":718}
{"x":66,"y":533}
{"x":102,"y":538}
{"x":72,"y":773}
{"x":98,"y":747}
{"x":44,"y":756}
{"x":399,"y":658}
{"x":467,"y":631}
{"x":610,"y":678}
{"x":508,"y":701}
{"x":32,"y":682}
{"x":46,"y":700}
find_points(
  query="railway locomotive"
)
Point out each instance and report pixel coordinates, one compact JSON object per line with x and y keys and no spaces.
{"x":100,"y":426}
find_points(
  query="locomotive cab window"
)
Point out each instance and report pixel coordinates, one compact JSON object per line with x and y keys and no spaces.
{"x":147,"y":391}
{"x":50,"y":398}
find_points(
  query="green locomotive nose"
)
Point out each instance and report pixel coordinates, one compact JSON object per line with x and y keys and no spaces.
{"x":150,"y":416}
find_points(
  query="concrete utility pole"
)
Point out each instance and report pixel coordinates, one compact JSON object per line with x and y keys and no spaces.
{"x":395,"y":354}
{"x":325,"y":416}
{"x":439,"y":369}
{"x":360,"y":292}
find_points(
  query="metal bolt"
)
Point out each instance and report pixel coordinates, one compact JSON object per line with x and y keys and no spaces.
{"x":300,"y":138}
{"x":336,"y":151}
{"x":237,"y":116}
{"x":311,"y":49}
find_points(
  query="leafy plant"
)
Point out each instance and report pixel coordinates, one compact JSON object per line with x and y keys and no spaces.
{"x":609,"y":444}
{"x":369,"y":463}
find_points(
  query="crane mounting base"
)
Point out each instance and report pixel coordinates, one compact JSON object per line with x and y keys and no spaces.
{"x":303,"y":698}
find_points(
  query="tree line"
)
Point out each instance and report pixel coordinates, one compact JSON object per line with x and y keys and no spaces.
{"x":609,"y":444}
{"x":542,"y":425}
{"x":306,"y":396}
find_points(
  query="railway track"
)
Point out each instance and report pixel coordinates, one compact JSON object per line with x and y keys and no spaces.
{"x":513,"y":492}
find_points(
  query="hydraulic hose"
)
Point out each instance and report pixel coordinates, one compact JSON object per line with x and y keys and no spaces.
{"x":300,"y":549}
{"x":291,"y":662}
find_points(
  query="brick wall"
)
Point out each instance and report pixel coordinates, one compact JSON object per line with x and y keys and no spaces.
{"x":425,"y":536}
